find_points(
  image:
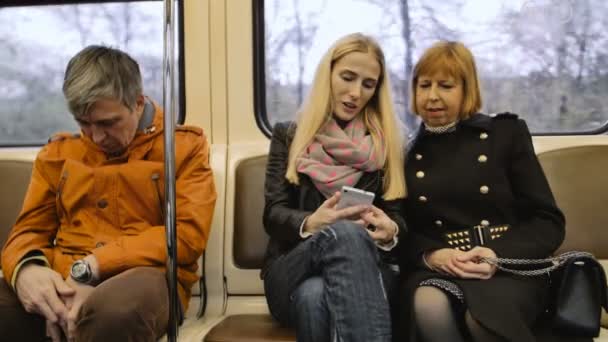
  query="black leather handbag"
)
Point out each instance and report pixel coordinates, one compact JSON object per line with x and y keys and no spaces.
{"x":578,"y":285}
{"x":581,"y":294}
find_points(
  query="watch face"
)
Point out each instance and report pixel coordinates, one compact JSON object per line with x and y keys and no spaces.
{"x":80,"y":271}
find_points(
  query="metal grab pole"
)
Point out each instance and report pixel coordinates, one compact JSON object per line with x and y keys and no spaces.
{"x":169,"y":139}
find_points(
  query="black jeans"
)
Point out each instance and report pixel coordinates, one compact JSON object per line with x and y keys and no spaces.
{"x":332,"y":287}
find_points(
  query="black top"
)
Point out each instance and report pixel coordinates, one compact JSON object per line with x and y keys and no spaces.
{"x":485,"y":171}
{"x":287,"y":205}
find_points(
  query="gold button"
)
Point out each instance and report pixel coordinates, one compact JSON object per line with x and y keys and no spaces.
{"x":418,"y":156}
{"x":419,"y":174}
{"x":485,"y":223}
{"x":484,"y":189}
{"x":482,"y":158}
{"x":99,"y":244}
{"x":438,"y":223}
{"x":422,"y":199}
{"x":483,"y":136}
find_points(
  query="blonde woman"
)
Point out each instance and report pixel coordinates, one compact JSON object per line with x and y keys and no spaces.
{"x":476,"y":190}
{"x":323,"y":273}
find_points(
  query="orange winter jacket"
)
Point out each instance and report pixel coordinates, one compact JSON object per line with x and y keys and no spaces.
{"x":79,"y":202}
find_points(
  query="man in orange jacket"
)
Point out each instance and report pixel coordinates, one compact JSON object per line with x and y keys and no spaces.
{"x":86,"y":257}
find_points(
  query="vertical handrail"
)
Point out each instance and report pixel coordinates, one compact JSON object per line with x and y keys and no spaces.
{"x":169,"y":151}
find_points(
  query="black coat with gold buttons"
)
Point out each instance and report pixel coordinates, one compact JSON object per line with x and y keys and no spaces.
{"x":485,"y":173}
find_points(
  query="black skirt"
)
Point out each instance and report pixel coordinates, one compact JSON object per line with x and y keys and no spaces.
{"x":513,"y":307}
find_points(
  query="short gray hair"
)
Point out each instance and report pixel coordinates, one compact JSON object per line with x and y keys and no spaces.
{"x":101,"y":72}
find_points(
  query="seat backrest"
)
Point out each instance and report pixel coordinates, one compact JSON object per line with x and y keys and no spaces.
{"x":14,"y":180}
{"x":250,"y":239}
{"x":577,"y":176}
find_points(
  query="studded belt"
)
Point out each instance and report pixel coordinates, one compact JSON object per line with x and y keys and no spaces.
{"x":466,"y":239}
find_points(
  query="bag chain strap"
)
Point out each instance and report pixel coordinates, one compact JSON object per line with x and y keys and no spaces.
{"x":556,"y":261}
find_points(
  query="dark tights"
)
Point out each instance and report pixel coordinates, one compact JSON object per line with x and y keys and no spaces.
{"x":436,"y":320}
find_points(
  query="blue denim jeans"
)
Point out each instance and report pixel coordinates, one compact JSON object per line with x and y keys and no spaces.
{"x":330,"y":287}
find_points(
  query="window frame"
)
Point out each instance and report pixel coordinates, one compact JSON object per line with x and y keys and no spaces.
{"x":259,"y":68}
{"x":181,"y":86}
{"x":259,"y":80}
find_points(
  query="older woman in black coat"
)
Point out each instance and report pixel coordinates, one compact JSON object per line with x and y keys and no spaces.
{"x":471,"y":177}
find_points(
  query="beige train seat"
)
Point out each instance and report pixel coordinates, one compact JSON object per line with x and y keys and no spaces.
{"x":579,"y":180}
{"x":244,"y":256}
{"x":576,"y":176}
{"x":238,"y":240}
{"x":14,"y":179}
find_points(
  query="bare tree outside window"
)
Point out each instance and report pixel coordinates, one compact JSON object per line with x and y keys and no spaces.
{"x":293,"y":37}
{"x":37,"y":43}
{"x":546,"y":60}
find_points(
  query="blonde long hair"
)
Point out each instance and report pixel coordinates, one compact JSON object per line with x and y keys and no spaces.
{"x":379,"y":116}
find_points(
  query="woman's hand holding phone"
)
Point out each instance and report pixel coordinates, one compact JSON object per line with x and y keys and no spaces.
{"x":328,"y":213}
{"x":386,"y":229}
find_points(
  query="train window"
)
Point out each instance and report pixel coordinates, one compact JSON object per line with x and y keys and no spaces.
{"x":546,"y":60}
{"x":37,"y":40}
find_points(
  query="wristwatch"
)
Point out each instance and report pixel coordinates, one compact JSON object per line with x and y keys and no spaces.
{"x":81,"y":271}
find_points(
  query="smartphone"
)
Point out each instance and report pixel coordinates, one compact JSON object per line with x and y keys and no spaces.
{"x":350,"y":196}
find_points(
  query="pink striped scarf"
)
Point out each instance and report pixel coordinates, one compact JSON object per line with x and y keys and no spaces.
{"x":338,"y":157}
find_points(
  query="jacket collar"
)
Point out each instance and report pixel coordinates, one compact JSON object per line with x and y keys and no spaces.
{"x":144,"y":139}
{"x":477,"y":121}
